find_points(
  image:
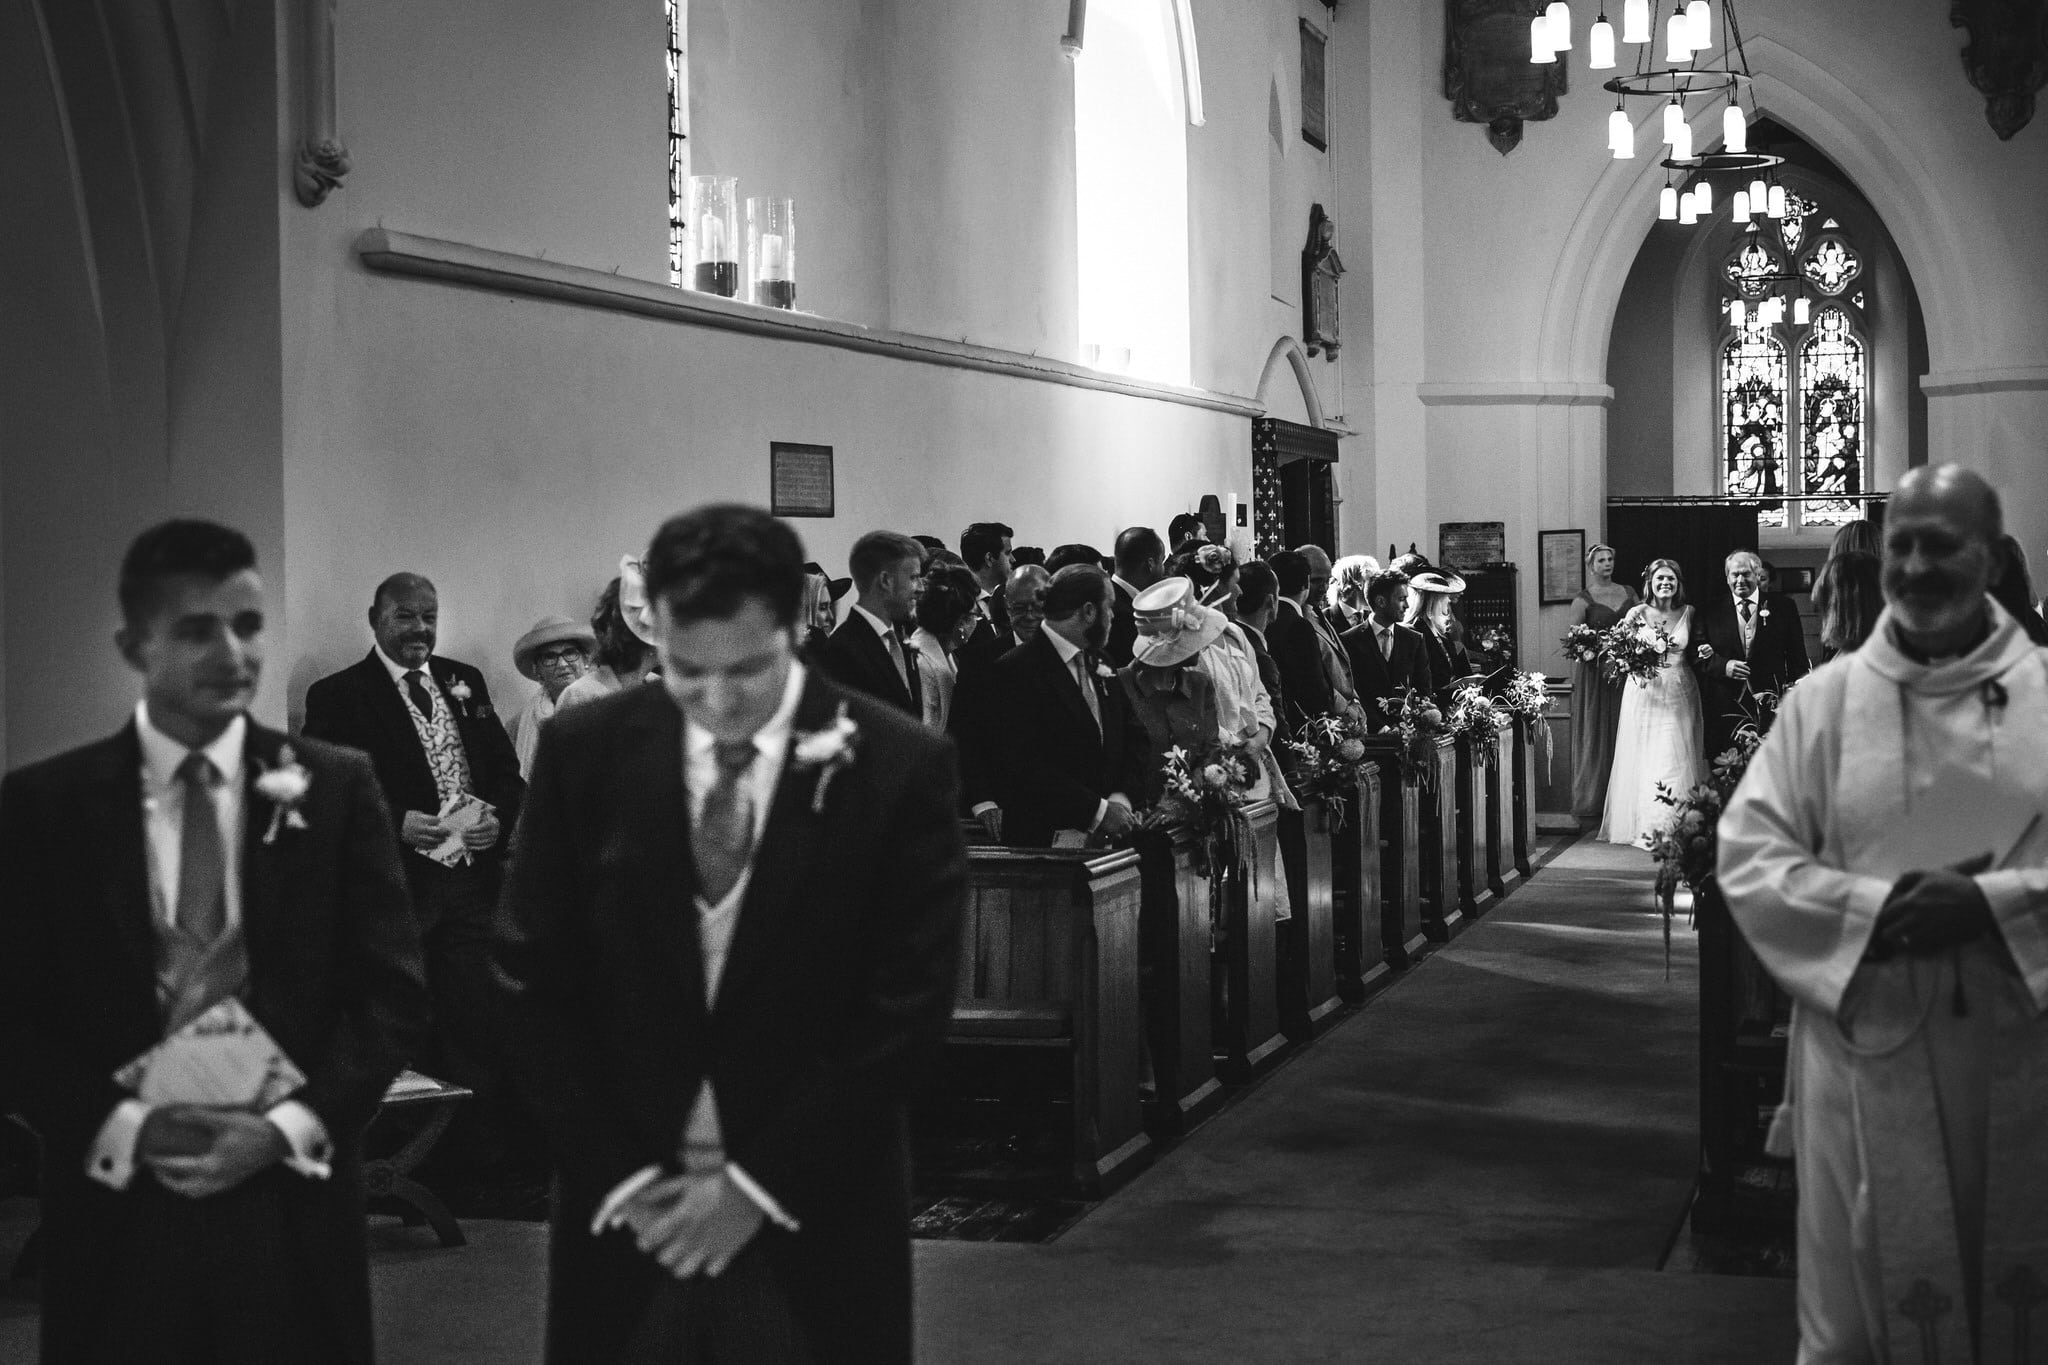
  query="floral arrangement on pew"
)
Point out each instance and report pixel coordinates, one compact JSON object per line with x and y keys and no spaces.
{"x":1474,"y":716}
{"x":1417,"y":721}
{"x":1200,"y":799}
{"x":1522,"y":694}
{"x":1491,"y":649}
{"x":1328,"y":752}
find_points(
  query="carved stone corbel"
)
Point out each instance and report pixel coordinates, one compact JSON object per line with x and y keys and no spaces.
{"x":2006,"y":57}
{"x":1488,"y":77}
{"x":321,"y":160}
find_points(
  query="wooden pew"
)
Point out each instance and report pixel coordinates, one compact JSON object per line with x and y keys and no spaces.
{"x":1248,"y":1037}
{"x":1500,"y":812}
{"x":1474,"y":895}
{"x":1049,"y":959}
{"x":1400,"y":857}
{"x":1306,"y":955}
{"x":1175,"y":940}
{"x":1441,"y":912}
{"x":1355,"y":876}
{"x":1528,"y":781}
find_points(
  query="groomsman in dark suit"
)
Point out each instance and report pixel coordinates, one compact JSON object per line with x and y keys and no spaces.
{"x":1062,"y":749}
{"x":1754,"y":642}
{"x":1256,"y":607}
{"x":191,"y":857}
{"x":1387,"y":658}
{"x":868,"y":652}
{"x":427,"y":724}
{"x":1140,"y":562}
{"x":986,"y":547}
{"x":731,"y":930}
{"x":1296,"y":646}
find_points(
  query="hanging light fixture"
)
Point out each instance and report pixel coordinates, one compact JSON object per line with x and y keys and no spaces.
{"x":1667,"y":204}
{"x":1740,"y":206}
{"x":1540,"y":50}
{"x":1600,"y":44}
{"x":1776,"y":201}
{"x":1699,"y":20}
{"x":1674,"y":119}
{"x":1758,"y":192}
{"x":1678,"y":38}
{"x":1681,"y":150}
{"x":1635,"y":22}
{"x":1560,"y":16}
{"x":1705,"y":194}
{"x":1688,"y":210}
{"x":1734,"y":129}
{"x":1621,"y":135}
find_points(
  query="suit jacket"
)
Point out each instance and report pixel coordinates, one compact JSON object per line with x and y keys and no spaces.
{"x":1447,"y":661}
{"x":836,"y":992}
{"x":1030,"y":739}
{"x":1776,"y":657}
{"x":1380,"y":678}
{"x":335,"y":976}
{"x":992,"y":639}
{"x":1269,"y":678}
{"x":361,"y":708}
{"x":1123,"y":629}
{"x":1299,"y":653}
{"x":854,"y":656}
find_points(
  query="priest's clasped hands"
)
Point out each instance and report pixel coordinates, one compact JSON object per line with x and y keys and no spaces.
{"x":199,"y":1150}
{"x":694,"y":1224}
{"x":1933,"y":911}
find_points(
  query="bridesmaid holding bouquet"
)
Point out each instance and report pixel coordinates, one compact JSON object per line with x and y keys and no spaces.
{"x":1596,"y":700}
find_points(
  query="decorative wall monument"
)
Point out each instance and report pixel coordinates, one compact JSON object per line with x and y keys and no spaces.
{"x":1320,"y":267}
{"x":2006,"y":57}
{"x":1488,"y":77}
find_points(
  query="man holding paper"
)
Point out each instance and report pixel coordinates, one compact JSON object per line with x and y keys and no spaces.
{"x":208,"y":976}
{"x":451,"y":778}
{"x":1886,"y":856}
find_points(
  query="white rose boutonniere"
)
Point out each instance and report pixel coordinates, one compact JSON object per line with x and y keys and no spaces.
{"x":285,"y":787}
{"x":830,"y":750}
{"x":459,"y":690}
{"x":1104,"y":671}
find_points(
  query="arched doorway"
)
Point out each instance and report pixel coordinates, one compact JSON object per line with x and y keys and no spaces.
{"x":1294,"y":493}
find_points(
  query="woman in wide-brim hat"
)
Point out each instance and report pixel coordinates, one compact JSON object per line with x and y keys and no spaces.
{"x":1429,"y":611}
{"x":562,"y":667}
{"x":1173,"y":700}
{"x":1246,"y":716}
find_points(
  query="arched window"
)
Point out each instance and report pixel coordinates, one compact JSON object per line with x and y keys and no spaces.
{"x":1131,"y":85}
{"x":1794,"y":373}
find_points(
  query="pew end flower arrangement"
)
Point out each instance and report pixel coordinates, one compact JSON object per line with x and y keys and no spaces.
{"x":1524,"y":696}
{"x":1201,"y":799}
{"x":1327,"y":754}
{"x":1474,"y":716}
{"x":1417,"y":721}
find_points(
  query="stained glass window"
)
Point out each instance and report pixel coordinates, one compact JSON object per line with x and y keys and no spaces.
{"x":1831,"y":373}
{"x":1750,"y":266}
{"x":1753,"y":393}
{"x":1792,"y":227}
{"x":677,"y":14}
{"x":1831,"y":265}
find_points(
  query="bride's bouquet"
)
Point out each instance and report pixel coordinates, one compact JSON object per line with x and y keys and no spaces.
{"x":1636,"y":650}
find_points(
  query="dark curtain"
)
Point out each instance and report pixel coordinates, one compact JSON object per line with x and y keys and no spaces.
{"x":1698,"y":537}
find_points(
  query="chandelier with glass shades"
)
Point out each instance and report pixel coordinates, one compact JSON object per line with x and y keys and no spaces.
{"x":1686,"y":74}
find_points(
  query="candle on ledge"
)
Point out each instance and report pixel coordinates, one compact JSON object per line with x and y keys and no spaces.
{"x":771,"y":251}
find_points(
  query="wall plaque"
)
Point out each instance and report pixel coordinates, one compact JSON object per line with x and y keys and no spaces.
{"x":800,"y":480}
{"x":1471,"y":544}
{"x":2006,"y":57}
{"x":1488,"y":77}
{"x":1562,"y":565}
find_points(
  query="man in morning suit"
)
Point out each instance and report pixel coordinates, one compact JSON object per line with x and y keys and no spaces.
{"x":731,"y":928}
{"x":1295,"y":645}
{"x":1387,"y":657}
{"x":867,"y":653}
{"x":1754,"y":642}
{"x":427,"y":724}
{"x":193,"y":856}
{"x":986,"y":547}
{"x":1060,"y":744}
{"x":1140,"y":562}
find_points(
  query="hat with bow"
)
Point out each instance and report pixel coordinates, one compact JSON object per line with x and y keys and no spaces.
{"x":1173,"y":626}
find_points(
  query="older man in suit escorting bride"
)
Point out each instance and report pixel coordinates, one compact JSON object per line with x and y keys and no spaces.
{"x":1754,"y":644}
{"x":728,"y":946}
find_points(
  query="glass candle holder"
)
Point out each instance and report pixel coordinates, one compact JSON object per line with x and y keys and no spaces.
{"x":714,"y":234}
{"x":771,"y":251}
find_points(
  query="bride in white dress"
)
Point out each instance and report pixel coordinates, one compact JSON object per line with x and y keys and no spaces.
{"x":1659,"y":738}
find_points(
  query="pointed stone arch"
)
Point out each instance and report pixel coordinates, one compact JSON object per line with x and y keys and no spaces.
{"x":1287,"y":352}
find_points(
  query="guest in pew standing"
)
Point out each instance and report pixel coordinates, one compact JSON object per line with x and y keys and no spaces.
{"x":1344,"y":606}
{"x":948,"y":613}
{"x":986,"y":547}
{"x":1296,"y":646}
{"x":1140,"y":562}
{"x":624,"y":656}
{"x":868,"y":652}
{"x":1387,"y":657}
{"x":427,"y":724}
{"x":1596,"y":700}
{"x":1258,"y":602}
{"x":554,"y":654}
{"x":1171,"y":700}
{"x":1336,"y":662}
{"x":1073,"y":553}
{"x":194,"y":856}
{"x":1429,"y":614}
{"x":731,"y":930}
{"x":976,"y":712}
{"x":1848,"y":595}
{"x":1058,"y":744}
{"x":1024,"y":598}
{"x":819,"y":615}
{"x":1211,"y":575}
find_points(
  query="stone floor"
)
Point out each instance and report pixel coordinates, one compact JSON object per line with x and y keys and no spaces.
{"x":1488,"y":1162}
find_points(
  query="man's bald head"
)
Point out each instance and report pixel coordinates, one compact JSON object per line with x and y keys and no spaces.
{"x":1318,"y":560}
{"x":1941,"y":535}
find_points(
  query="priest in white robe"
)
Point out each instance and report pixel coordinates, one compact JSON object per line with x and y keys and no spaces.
{"x":1886,"y":856}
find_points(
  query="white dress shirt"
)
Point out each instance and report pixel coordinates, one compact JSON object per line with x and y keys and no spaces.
{"x":111,"y":1161}
{"x":715,"y":926}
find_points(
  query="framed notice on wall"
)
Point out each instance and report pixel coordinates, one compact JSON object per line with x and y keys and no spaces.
{"x":800,"y":480}
{"x":1561,"y":557}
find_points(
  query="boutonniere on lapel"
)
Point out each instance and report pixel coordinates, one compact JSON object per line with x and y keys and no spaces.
{"x":1763,"y":614}
{"x":285,"y":787}
{"x":1104,"y":672}
{"x":460,"y":691}
{"x":830,"y":751}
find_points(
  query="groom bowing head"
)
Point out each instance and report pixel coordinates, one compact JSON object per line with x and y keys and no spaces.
{"x":728,"y":948}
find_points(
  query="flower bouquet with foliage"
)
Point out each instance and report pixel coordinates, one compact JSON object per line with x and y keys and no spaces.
{"x":1200,"y":799}
{"x":1636,"y":649}
{"x":1585,"y":645}
{"x":1491,"y":649}
{"x":1417,"y":721}
{"x":1328,"y":752}
{"x":1523,"y":695}
{"x":1473,"y":714}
